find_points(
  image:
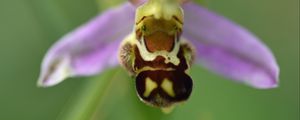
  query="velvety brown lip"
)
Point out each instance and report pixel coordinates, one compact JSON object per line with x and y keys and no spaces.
{"x":182,"y":84}
{"x":159,"y":41}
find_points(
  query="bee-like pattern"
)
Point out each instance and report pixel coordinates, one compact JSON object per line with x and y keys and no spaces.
{"x":157,"y":57}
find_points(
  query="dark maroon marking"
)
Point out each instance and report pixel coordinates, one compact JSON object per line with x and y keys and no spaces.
{"x":177,"y":19}
{"x":141,"y":19}
{"x":182,"y":83}
{"x":182,"y":86}
{"x":159,"y":62}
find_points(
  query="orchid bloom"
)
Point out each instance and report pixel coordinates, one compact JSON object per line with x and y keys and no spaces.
{"x":219,"y":45}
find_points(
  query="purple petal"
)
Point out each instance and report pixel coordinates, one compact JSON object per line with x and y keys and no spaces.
{"x":89,"y":49}
{"x":228,"y":49}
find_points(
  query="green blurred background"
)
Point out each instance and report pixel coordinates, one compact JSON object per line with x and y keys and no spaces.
{"x":29,"y":27}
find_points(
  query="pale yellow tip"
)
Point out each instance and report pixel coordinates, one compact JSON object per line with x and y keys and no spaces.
{"x":168,"y":110}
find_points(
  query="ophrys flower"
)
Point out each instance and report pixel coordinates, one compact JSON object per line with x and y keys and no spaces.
{"x":219,"y":45}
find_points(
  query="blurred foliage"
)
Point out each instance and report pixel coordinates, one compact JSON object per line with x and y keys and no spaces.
{"x":30,"y":27}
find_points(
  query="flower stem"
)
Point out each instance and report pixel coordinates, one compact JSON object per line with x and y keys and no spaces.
{"x":83,"y":105}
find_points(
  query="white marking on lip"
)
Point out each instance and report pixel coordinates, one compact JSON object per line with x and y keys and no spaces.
{"x":167,"y":86}
{"x":150,"y":85}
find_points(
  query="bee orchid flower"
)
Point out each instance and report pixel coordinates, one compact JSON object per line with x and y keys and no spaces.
{"x":219,"y":45}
